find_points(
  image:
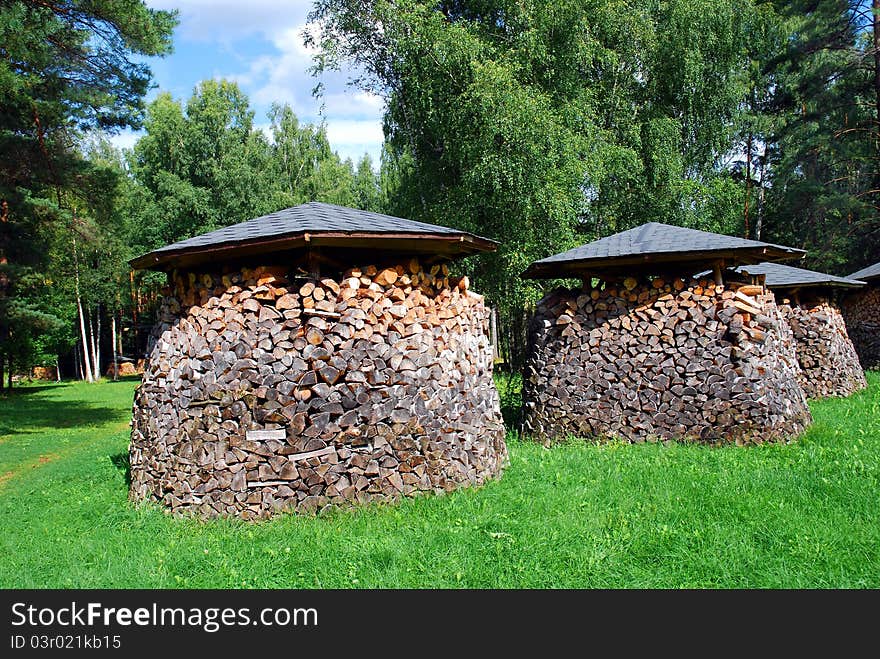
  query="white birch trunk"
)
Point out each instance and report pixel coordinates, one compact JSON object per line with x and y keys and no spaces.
{"x":87,"y":364}
{"x":95,"y":374}
{"x":113,"y":334}
{"x":97,"y":340}
{"x":87,"y":367}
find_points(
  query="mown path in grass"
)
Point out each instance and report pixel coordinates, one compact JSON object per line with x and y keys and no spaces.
{"x":579,"y":515}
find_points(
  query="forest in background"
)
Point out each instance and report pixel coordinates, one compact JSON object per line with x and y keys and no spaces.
{"x":543,"y":125}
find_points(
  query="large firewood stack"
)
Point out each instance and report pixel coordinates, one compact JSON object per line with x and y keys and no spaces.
{"x":650,"y":360}
{"x":861,"y":311}
{"x":828,"y":360}
{"x":266,"y":392}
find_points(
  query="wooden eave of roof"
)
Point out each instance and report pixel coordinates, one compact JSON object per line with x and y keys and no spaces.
{"x":816,"y":284}
{"x":685,"y":261}
{"x":449,"y":245}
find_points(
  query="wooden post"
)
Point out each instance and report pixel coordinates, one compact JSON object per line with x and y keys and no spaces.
{"x":313,"y":261}
{"x":716,"y":272}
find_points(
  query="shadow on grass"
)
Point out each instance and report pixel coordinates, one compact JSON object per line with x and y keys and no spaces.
{"x":28,"y":408}
{"x":125,"y":378}
{"x":121,"y":462}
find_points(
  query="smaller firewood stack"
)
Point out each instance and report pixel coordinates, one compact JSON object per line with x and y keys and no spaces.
{"x":653,"y":359}
{"x":861,"y":311}
{"x":828,"y":361}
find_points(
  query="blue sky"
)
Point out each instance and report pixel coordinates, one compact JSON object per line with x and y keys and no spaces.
{"x":259,"y":44}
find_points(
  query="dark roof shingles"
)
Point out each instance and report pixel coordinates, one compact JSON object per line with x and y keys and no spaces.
{"x":657,"y":238}
{"x":778,"y":275}
{"x":313,"y":217}
{"x":871,"y":272}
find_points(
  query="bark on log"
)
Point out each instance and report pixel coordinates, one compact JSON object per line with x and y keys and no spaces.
{"x":861,"y":311}
{"x":655,"y":362}
{"x":266,"y":391}
{"x":828,"y":360}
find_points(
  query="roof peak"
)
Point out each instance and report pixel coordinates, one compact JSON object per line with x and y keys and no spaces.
{"x":654,"y":243}
{"x":316,"y":224}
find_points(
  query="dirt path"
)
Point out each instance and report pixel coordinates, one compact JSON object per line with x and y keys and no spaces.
{"x":46,"y":458}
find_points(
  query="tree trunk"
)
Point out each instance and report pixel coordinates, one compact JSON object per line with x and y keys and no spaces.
{"x":749,"y":179}
{"x":119,"y":332}
{"x":77,"y":367}
{"x":57,"y":369}
{"x":82,"y":321}
{"x":94,"y":353}
{"x":9,"y":374}
{"x":493,"y":331}
{"x":96,"y":341}
{"x":2,"y":369}
{"x":875,"y":7}
{"x":91,"y":327}
{"x":87,"y":364}
{"x":134,"y":312}
{"x":113,"y":332}
{"x":759,"y":211}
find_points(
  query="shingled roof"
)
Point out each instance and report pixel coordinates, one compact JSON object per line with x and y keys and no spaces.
{"x":315,"y":225}
{"x":866,"y":274}
{"x":655,"y":243}
{"x":781,"y":276}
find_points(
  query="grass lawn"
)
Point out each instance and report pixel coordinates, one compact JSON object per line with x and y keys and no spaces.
{"x":804,"y":515}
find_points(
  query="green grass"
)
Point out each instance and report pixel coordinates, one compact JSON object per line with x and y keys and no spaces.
{"x":804,"y":515}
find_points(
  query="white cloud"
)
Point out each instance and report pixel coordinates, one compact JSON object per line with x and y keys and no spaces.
{"x":230,"y":20}
{"x":125,"y":139}
{"x":285,"y":77}
{"x":347,"y":131}
{"x":353,"y":117}
{"x":353,"y":104}
{"x":353,"y":138}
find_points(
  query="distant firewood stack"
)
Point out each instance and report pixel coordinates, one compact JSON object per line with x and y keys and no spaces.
{"x":808,"y":302}
{"x":645,"y":351}
{"x":861,"y":310}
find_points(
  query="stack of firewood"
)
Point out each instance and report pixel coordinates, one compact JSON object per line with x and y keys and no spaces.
{"x":266,"y":390}
{"x":828,"y":360}
{"x":861,"y":310}
{"x":657,"y":359}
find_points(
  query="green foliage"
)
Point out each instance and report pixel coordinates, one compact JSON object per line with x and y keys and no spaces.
{"x":204,"y":165}
{"x":367,"y":193}
{"x":66,"y":68}
{"x":803,"y":515}
{"x":200,"y":168}
{"x":544,"y":125}
{"x":823,"y":134}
